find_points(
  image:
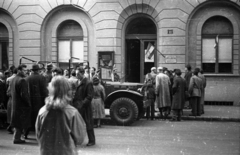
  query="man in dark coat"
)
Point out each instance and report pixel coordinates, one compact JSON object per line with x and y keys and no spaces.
{"x":178,"y":89}
{"x":187,"y":77}
{"x":21,"y":107}
{"x":48,"y":73}
{"x":3,"y":90}
{"x":82,"y":101}
{"x":38,"y":93}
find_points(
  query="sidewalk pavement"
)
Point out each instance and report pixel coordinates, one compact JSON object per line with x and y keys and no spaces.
{"x":211,"y":113}
{"x":215,"y":113}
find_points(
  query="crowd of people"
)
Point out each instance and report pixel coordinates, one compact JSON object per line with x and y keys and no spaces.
{"x":167,"y":91}
{"x":40,"y":100}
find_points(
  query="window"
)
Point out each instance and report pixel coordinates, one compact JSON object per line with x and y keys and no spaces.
{"x":70,"y":42}
{"x":217,"y":38}
{"x":3,"y":47}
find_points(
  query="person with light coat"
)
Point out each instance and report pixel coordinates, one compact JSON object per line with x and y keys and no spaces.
{"x":59,"y":126}
{"x":163,"y":101}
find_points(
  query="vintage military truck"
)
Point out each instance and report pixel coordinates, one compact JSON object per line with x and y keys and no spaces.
{"x":124,"y":101}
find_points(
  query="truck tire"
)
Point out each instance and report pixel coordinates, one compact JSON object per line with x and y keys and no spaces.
{"x":124,"y":111}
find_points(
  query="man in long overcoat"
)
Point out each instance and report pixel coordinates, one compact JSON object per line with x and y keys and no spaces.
{"x":82,"y":101}
{"x":9,"y":104}
{"x":21,"y":107}
{"x":162,"y":91}
{"x":38,"y":93}
{"x":178,"y":89}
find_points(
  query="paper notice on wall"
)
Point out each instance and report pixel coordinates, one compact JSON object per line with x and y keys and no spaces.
{"x":106,"y":73}
{"x":170,"y":59}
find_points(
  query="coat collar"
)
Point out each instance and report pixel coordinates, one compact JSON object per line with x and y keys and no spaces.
{"x":84,"y":80}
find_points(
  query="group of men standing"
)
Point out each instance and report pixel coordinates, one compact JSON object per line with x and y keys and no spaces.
{"x":172,"y":91}
{"x":27,"y":95}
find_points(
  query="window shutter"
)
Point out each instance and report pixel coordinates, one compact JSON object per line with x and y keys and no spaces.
{"x":225,"y":50}
{"x":64,"y":51}
{"x":77,"y":50}
{"x":208,"y":51}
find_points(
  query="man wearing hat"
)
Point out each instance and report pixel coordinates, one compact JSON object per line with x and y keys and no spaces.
{"x":162,"y":91}
{"x":152,"y":75}
{"x":57,"y":71}
{"x":38,"y":93}
{"x":48,"y":73}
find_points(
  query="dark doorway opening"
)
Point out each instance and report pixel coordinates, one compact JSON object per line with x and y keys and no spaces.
{"x":3,"y":47}
{"x":4,"y":55}
{"x":141,"y":32}
{"x":132,"y":60}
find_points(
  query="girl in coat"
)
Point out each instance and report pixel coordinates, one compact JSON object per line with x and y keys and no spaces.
{"x":98,"y":101}
{"x":59,"y":126}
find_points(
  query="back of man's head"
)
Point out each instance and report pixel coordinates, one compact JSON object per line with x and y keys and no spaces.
{"x":21,"y":66}
{"x":189,"y":68}
{"x":81,"y":69}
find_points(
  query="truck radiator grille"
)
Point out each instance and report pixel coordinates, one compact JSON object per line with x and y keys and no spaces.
{"x":223,"y":103}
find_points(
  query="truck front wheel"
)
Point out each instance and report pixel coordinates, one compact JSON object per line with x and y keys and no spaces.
{"x":124,"y":111}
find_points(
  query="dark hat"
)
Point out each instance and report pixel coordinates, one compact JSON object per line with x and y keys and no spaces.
{"x":57,"y":70}
{"x":49,"y":66}
{"x":35,"y":67}
{"x":95,"y":80}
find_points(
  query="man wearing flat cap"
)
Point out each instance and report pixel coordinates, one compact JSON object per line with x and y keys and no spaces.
{"x":38,"y":93}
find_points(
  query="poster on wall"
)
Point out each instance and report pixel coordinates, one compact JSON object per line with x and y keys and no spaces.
{"x":105,"y":64}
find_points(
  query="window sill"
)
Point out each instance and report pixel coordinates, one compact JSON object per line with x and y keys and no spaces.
{"x":221,"y":75}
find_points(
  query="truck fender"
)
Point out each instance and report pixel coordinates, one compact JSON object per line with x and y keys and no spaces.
{"x":135,"y":96}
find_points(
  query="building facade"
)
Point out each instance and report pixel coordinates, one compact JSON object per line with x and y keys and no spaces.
{"x":202,"y":33}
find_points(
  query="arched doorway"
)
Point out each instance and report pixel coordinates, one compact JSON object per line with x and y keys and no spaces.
{"x":141,"y":36}
{"x":3,"y":47}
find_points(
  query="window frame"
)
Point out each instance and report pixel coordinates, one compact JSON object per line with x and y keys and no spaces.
{"x":213,"y":36}
{"x":70,"y":39}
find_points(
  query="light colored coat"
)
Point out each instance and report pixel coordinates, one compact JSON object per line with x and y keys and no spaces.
{"x":162,"y":91}
{"x":204,"y":81}
{"x":59,"y":131}
{"x":195,"y":83}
